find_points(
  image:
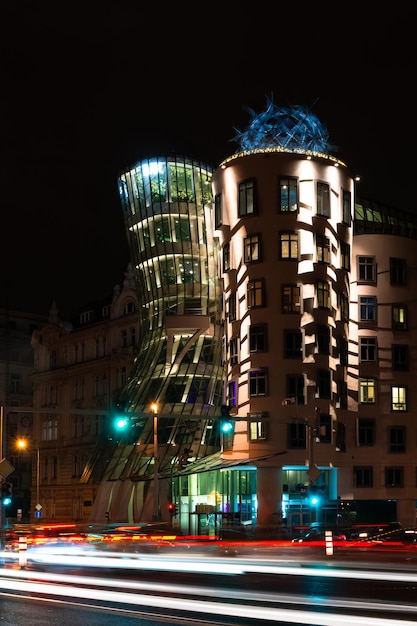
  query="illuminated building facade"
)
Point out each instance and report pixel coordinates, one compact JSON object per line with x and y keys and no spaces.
{"x":267,"y":287}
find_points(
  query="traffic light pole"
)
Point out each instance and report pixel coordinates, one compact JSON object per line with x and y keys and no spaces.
{"x":2,"y":456}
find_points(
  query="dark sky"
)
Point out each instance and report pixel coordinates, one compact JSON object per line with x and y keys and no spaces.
{"x":86,"y":93}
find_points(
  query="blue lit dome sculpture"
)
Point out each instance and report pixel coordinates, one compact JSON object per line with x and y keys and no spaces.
{"x":292,"y":128}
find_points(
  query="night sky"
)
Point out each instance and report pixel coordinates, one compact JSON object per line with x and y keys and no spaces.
{"x":86,"y":93}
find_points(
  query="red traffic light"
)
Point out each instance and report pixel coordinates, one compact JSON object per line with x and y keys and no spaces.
{"x":173,"y":509}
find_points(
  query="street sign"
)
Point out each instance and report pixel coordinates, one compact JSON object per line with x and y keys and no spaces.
{"x":38,"y":507}
{"x":6,"y":468}
{"x":38,"y":513}
{"x":313,"y":473}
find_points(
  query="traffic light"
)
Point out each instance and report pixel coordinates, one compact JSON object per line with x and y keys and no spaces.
{"x":226,"y":423}
{"x":173,"y":509}
{"x":121,"y":421}
{"x":313,"y":495}
{"x":6,"y":494}
{"x":185,"y":458}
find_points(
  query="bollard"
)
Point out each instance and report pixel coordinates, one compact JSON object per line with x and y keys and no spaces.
{"x":23,"y":555}
{"x":329,"y":542}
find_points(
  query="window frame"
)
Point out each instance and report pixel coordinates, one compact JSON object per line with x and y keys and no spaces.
{"x":323,"y":199}
{"x":290,"y":302}
{"x":366,"y":385}
{"x":399,"y":397}
{"x":287,"y":188}
{"x":250,"y":244}
{"x":397,"y":271}
{"x":290,"y":239}
{"x":258,"y":382}
{"x":366,"y":474}
{"x":367,"y":309}
{"x":255,"y":293}
{"x":256,"y":331}
{"x":247,"y":198}
{"x":366,"y":269}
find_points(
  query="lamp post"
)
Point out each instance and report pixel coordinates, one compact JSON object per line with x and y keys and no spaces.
{"x":2,"y":456}
{"x":154,"y":408}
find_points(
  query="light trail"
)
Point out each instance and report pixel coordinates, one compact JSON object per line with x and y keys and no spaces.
{"x":138,"y":586}
{"x":202,"y":565}
{"x":260,"y":613}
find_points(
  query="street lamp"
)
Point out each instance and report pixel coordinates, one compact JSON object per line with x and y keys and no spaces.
{"x":22,"y":445}
{"x":154,"y":408}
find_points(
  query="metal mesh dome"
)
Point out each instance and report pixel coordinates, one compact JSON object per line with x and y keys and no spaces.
{"x":293,"y":128}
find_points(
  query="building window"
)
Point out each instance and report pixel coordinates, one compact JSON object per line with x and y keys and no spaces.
{"x":367,"y":391}
{"x":288,"y":194}
{"x":290,"y":298}
{"x":397,"y":438}
{"x":322,"y":249}
{"x":168,"y":272}
{"x":346,"y":207}
{"x":182,"y":229}
{"x":297,"y":436}
{"x":132,"y":336}
{"x":258,"y":338}
{"x":15,"y":383}
{"x":324,"y":384}
{"x":340,"y":443}
{"x":255,"y":293}
{"x":323,"y":339}
{"x":289,"y":246}
{"x":342,"y":394}
{"x":366,"y":432}
{"x":399,"y":357}
{"x":398,"y":398}
{"x":345,"y":256}
{"x":292,"y":344}
{"x":363,"y":477}
{"x":397,"y":268}
{"x":86,"y":316}
{"x":325,"y":428}
{"x":394,"y":477}
{"x":366,"y":269}
{"x":344,"y":308}
{"x":53,"y":360}
{"x":232,"y":393}
{"x":399,"y":317}
{"x":231,"y":307}
{"x":367,"y":308}
{"x":226,"y":257}
{"x":50,"y":429}
{"x":343,"y":350}
{"x":246,"y":198}
{"x":234,"y":351}
{"x":257,"y":427}
{"x":218,"y":210}
{"x":323,"y":199}
{"x":367,"y":349}
{"x":323,"y":294}
{"x":129,"y":308}
{"x":252,"y":248}
{"x":257,"y":382}
{"x":163,"y":230}
{"x":295,"y":387}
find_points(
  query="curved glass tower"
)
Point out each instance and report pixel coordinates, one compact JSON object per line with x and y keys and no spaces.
{"x":167,"y":206}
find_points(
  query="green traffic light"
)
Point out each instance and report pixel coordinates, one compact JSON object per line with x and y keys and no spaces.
{"x":121,"y":422}
{"x":7,"y":500}
{"x":227,"y":427}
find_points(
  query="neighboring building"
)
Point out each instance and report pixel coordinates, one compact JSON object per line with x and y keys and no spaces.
{"x":79,"y":372}
{"x":16,"y":367}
